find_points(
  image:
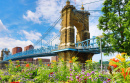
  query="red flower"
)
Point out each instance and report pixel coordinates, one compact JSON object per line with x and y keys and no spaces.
{"x":85,"y":79}
{"x":17,"y":82}
{"x":125,"y":73}
{"x":48,"y":65}
{"x":27,"y":65}
{"x":108,"y":80}
{"x":70,"y":61}
{"x":12,"y":82}
{"x":111,"y":63}
{"x":51,"y":73}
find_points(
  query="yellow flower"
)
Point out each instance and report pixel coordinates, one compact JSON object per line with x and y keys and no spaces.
{"x":122,"y":59}
{"x":73,"y":57}
{"x":85,"y":63}
{"x":66,"y":82}
{"x":123,"y":53}
{"x":118,"y":56}
{"x":18,"y":80}
{"x":79,"y":64}
{"x":62,"y":59}
{"x":45,"y":64}
{"x":54,"y":61}
{"x":13,"y":76}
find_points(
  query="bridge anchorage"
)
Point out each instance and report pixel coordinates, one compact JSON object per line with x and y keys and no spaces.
{"x":84,"y":48}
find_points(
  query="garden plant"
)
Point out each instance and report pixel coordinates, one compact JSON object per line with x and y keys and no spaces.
{"x":59,"y":72}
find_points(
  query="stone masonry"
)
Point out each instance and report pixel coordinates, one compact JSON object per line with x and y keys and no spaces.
{"x":81,"y":21}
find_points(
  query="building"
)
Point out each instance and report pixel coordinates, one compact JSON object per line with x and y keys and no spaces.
{"x":54,"y":58}
{"x":16,"y":50}
{"x":29,"y":47}
{"x":43,"y":60}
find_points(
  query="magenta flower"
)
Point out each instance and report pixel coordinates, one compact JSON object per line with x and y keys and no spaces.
{"x":89,"y":77}
{"x":88,"y":74}
{"x":77,"y":77}
{"x":70,"y":74}
{"x":82,"y":73}
{"x":71,"y":79}
{"x":82,"y":70}
{"x":92,"y":72}
{"x":70,"y":69}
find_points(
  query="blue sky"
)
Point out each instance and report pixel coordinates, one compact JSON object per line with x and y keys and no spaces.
{"x":22,"y":22}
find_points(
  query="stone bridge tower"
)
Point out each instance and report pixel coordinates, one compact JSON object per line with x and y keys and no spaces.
{"x":70,"y":18}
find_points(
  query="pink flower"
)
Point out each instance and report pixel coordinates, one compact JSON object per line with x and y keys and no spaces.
{"x":77,"y":77}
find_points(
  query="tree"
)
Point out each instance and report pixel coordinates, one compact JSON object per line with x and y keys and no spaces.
{"x":115,"y":23}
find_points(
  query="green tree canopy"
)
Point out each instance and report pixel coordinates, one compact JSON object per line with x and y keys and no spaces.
{"x":115,"y":23}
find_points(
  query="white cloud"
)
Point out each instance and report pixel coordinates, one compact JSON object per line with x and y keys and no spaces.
{"x":48,"y":10}
{"x":31,"y":16}
{"x":31,"y":35}
{"x":2,"y":26}
{"x":94,"y":31}
{"x":10,"y":43}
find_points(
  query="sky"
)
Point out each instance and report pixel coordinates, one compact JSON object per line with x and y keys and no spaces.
{"x":23,"y":22}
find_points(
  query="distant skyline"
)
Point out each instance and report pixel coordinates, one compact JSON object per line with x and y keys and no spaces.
{"x":22,"y":22}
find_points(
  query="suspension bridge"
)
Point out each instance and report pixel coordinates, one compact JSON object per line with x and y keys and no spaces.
{"x":84,"y":47}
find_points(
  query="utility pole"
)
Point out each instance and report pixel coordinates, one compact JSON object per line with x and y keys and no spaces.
{"x":101,"y":53}
{"x":101,"y":36}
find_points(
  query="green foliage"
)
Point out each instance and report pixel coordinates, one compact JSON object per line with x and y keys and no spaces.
{"x":115,"y":24}
{"x":60,"y":73}
{"x":123,"y":70}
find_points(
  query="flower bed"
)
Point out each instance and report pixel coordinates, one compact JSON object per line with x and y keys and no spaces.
{"x":54,"y":73}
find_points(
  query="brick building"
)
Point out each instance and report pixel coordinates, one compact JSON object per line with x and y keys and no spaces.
{"x":29,"y":47}
{"x":16,"y":50}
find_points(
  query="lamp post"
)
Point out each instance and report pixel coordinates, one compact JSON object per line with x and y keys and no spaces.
{"x":101,"y":49}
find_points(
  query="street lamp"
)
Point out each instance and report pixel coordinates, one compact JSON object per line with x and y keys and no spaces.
{"x":101,"y":36}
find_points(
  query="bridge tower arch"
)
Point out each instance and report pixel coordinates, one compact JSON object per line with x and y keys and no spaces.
{"x":70,"y":18}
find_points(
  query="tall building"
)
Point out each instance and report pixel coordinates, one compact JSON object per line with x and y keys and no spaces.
{"x":16,"y":50}
{"x":29,"y":47}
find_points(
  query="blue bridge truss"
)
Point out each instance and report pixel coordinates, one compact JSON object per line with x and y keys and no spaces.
{"x":86,"y":46}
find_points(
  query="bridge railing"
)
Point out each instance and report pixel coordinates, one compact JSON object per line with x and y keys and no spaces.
{"x":89,"y":43}
{"x":86,"y":44}
{"x":29,"y":52}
